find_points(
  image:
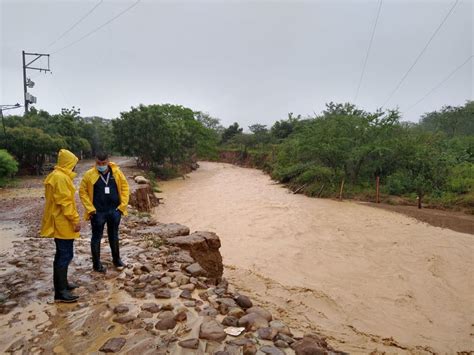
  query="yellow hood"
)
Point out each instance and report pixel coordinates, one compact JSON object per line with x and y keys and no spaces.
{"x":66,"y":162}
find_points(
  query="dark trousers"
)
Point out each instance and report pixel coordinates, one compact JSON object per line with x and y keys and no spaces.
{"x":99,"y":220}
{"x":64,"y":252}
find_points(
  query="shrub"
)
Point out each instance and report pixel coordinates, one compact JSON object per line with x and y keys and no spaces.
{"x":8,"y":166}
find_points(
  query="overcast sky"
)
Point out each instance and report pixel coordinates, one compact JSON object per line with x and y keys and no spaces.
{"x":244,"y":61}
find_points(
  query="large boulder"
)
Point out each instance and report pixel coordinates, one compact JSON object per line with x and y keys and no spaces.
{"x":204,"y":249}
{"x":165,"y":230}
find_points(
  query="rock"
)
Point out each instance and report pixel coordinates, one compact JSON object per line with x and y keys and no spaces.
{"x":267,"y":349}
{"x":173,"y":284}
{"x":168,"y":230}
{"x":145,"y":314}
{"x":151,"y":307}
{"x":281,"y":344}
{"x":253,"y":321}
{"x":113,"y":345}
{"x":280,"y":327}
{"x":208,"y":312}
{"x":243,"y":301}
{"x":124,"y":319}
{"x":236,"y":312}
{"x":189,"y":343}
{"x":141,"y":180}
{"x":163,"y":293}
{"x":212,"y":330}
{"x":167,"y":307}
{"x":229,"y":302}
{"x":310,"y":344}
{"x":147,"y":268}
{"x":181,"y":316}
{"x":267,"y":333}
{"x":230,"y":321}
{"x":260,"y":311}
{"x":165,"y":324}
{"x":166,"y":314}
{"x":181,"y":279}
{"x":186,"y":294}
{"x":234,"y":331}
{"x":204,"y":248}
{"x":189,"y":287}
{"x":249,"y":349}
{"x":166,"y":280}
{"x":195,"y":269}
{"x":283,"y":337}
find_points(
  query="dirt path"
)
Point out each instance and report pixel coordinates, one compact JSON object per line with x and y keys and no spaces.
{"x":368,"y":278}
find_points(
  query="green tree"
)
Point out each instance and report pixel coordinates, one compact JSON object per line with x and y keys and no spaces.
{"x":8,"y":166}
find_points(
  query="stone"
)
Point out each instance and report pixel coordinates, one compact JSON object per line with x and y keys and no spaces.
{"x":212,"y":330}
{"x":260,"y":311}
{"x":249,"y":349}
{"x":173,"y":284}
{"x":271,"y":350}
{"x":281,"y":344}
{"x":244,"y":301}
{"x":181,"y":279}
{"x":163,"y":293}
{"x":310,"y":344}
{"x":165,"y":324}
{"x":204,"y":249}
{"x":186,"y":294}
{"x":195,"y":269}
{"x":236,"y":312}
{"x":124,"y":319}
{"x":168,"y":230}
{"x":189,"y":343}
{"x":208,"y":312}
{"x":166,"y":314}
{"x":229,"y":302}
{"x":189,"y":287}
{"x":287,"y":339}
{"x":253,"y":321}
{"x":230,"y":321}
{"x":147,"y":268}
{"x":145,"y":314}
{"x":180,"y":317}
{"x":267,"y":333}
{"x":151,"y":307}
{"x":141,"y":180}
{"x":113,"y":345}
{"x":281,"y":327}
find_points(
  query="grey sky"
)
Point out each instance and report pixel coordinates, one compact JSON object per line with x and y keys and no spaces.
{"x":244,"y":61}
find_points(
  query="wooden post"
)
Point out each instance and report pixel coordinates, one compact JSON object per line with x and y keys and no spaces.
{"x":377,"y":189}
{"x":342,"y":188}
{"x":419,"y":201}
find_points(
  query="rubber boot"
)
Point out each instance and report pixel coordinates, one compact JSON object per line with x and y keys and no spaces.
{"x":96,"y":264}
{"x":115,"y":249}
{"x":61,"y":293}
{"x":70,"y":285}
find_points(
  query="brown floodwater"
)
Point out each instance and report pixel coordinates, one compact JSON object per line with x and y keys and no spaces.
{"x":367,"y":278}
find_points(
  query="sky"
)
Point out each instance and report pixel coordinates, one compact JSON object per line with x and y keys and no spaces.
{"x":240,"y":61}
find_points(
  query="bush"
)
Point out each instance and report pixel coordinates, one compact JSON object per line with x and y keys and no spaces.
{"x":8,"y":166}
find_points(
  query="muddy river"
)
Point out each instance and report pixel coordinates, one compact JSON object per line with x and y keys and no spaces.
{"x":357,"y":274}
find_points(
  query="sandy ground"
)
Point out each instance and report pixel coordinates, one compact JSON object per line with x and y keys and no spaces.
{"x":367,"y":278}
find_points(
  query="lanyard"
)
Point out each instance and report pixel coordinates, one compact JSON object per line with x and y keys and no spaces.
{"x":106,"y":182}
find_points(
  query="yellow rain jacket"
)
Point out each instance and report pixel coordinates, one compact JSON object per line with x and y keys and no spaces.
{"x":86,"y":190}
{"x":60,"y":211}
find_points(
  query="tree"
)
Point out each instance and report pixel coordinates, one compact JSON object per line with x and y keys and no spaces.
{"x":8,"y":166}
{"x":231,"y":131}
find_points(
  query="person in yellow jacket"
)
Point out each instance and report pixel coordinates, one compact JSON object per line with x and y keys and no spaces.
{"x":104,"y":192}
{"x":61,"y":221}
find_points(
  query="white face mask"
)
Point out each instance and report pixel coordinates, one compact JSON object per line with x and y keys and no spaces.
{"x":102,"y":168}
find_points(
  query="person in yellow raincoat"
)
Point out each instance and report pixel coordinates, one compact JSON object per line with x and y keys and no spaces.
{"x":61,"y":221}
{"x":104,"y":192}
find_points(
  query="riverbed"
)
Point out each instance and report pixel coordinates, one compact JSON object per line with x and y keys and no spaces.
{"x":367,"y":278}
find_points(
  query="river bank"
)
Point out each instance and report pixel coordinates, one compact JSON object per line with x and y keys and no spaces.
{"x":366,"y":277}
{"x":171,"y":298}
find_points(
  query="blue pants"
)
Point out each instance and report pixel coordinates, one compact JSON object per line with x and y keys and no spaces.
{"x":64,"y":252}
{"x":99,"y":219}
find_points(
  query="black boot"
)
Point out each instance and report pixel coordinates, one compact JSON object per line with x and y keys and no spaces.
{"x":70,"y":285}
{"x":61,"y":293}
{"x":96,"y":264}
{"x":115,"y":249}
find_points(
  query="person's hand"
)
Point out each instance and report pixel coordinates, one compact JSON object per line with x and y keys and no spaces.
{"x":77,"y":228}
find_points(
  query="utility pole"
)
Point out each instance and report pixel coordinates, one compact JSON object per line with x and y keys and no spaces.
{"x":27,"y":83}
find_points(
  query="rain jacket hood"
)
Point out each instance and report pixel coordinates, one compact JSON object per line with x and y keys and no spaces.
{"x":60,"y":211}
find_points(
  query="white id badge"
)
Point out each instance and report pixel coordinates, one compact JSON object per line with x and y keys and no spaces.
{"x":107,"y":190}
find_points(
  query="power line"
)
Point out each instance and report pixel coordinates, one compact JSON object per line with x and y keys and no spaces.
{"x":421,"y":53}
{"x":368,"y":51}
{"x":97,"y":28}
{"x":75,"y":24}
{"x":440,"y":83}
